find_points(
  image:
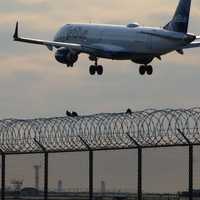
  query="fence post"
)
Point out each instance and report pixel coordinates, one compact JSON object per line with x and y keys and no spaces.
{"x":3,"y":160}
{"x":190,"y":164}
{"x":139,"y":173}
{"x":91,"y":178}
{"x":190,"y":172}
{"x":139,"y":147}
{"x":46,"y":168}
{"x":91,"y":168}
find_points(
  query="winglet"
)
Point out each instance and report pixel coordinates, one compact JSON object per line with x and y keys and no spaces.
{"x":15,"y":36}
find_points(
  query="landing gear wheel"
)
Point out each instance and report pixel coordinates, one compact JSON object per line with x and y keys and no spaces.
{"x":142,"y":70}
{"x":95,"y":68}
{"x":92,"y":69}
{"x":69,"y":65}
{"x":149,"y":70}
{"x":99,"y":69}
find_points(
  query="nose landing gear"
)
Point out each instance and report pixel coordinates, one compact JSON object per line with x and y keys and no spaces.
{"x":146,"y":69}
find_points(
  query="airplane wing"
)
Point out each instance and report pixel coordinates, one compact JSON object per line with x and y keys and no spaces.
{"x":48,"y":44}
{"x":194,"y":44}
{"x":106,"y":49}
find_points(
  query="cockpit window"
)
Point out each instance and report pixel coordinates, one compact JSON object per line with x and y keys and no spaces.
{"x":60,"y":35}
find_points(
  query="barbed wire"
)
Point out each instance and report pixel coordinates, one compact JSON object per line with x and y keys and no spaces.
{"x":105,"y":131}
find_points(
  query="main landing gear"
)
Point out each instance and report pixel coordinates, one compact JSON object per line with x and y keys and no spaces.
{"x":146,"y":69}
{"x":96,"y":68}
{"x":70,"y":65}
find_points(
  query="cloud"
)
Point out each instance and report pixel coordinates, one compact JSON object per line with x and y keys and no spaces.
{"x":47,"y":15}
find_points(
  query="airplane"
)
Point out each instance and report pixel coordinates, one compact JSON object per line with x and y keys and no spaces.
{"x":132,"y":42}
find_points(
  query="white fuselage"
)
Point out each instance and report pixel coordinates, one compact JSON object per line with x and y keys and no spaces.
{"x":121,"y":42}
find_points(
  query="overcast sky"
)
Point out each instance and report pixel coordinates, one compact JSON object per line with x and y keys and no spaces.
{"x":33,"y":84}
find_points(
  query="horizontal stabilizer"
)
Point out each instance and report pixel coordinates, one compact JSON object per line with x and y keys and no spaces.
{"x":192,"y":45}
{"x":198,"y":37}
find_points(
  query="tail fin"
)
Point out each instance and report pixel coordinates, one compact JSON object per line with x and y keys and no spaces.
{"x":179,"y":23}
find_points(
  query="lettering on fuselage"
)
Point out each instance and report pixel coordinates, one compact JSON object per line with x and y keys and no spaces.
{"x":75,"y":33}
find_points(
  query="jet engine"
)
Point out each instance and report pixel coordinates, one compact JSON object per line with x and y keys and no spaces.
{"x":65,"y":56}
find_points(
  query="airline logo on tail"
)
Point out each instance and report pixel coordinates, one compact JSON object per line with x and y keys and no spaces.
{"x":180,"y":19}
{"x":179,"y":22}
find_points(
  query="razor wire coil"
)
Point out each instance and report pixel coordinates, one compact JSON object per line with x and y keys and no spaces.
{"x":148,"y":128}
